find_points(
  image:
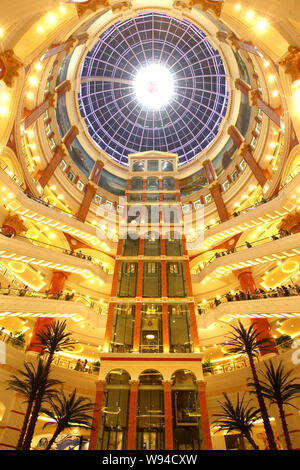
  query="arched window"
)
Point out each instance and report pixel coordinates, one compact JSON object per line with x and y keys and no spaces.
{"x":138,"y":166}
{"x":136,"y":184}
{"x":169,"y":184}
{"x":167,"y":166}
{"x":152,"y":184}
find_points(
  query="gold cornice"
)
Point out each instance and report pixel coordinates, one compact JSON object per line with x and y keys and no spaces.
{"x":205,"y":5}
{"x":92,"y":5}
{"x":9,"y":65}
{"x":291,"y":62}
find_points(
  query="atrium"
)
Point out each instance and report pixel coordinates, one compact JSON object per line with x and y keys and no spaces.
{"x":150,"y":207}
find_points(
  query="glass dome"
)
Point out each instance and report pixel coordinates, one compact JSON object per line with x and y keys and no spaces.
{"x":153,"y":56}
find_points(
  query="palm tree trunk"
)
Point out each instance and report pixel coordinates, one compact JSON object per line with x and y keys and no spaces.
{"x":284,"y":427}
{"x":37,"y":407}
{"x":57,"y":431}
{"x":262,"y":406}
{"x":25,"y":423}
{"x":251,"y":440}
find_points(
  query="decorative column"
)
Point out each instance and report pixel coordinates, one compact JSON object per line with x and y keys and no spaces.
{"x":63,"y":88}
{"x":134,"y":386}
{"x":201,"y":387}
{"x":59,"y":153}
{"x":31,"y":115}
{"x":13,"y":225}
{"x":245,"y":45}
{"x":111,"y":307}
{"x":209,"y":171}
{"x":216,"y":192}
{"x":66,"y":46}
{"x":236,"y":136}
{"x":137,"y":327}
{"x":258,"y":172}
{"x":56,"y":285}
{"x":9,"y":66}
{"x":90,"y":190}
{"x":165,"y":328}
{"x":274,"y":114}
{"x":70,"y":136}
{"x":167,"y":384}
{"x":100,"y":385}
{"x":247,"y":283}
{"x":243,"y":87}
{"x":58,"y":281}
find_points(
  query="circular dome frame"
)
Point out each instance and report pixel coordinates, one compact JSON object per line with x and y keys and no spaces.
{"x":119,"y":124}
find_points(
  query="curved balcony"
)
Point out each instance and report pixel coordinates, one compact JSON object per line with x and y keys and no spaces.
{"x":25,"y":306}
{"x":57,"y":258}
{"x":272,"y":308}
{"x":248,"y":255}
{"x":36,"y":209}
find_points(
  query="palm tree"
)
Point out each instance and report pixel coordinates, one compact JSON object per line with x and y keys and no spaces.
{"x":28,"y":386}
{"x":280,"y":389}
{"x":247,"y":342}
{"x":68,"y":412}
{"x":237,"y":418}
{"x":54,"y":338}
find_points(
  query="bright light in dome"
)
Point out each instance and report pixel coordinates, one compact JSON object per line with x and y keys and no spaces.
{"x":154,"y":86}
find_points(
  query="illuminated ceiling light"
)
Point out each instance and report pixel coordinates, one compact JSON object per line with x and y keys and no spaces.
{"x":38,"y":66}
{"x":4,"y":97}
{"x":33,"y":81}
{"x":30,"y":95}
{"x":154,"y":86}
{"x":271,"y":78}
{"x":262,"y":25}
{"x":51,"y":19}
{"x":238,"y":7}
{"x":275,"y":93}
{"x":62,"y":9}
{"x":3,"y":110}
{"x":266,"y":63}
{"x":1,"y":33}
{"x":40,"y":29}
{"x":250,"y":15}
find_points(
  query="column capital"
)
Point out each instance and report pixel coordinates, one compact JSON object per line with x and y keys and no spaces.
{"x":245,"y":149}
{"x":254,"y":97}
{"x":82,"y":38}
{"x":134,"y":385}
{"x":222,"y":35}
{"x":236,"y":136}
{"x":100,"y":384}
{"x":167,"y":384}
{"x":181,"y":5}
{"x":9,"y":66}
{"x":201,"y":385}
{"x":52,"y":99}
{"x":92,"y":5}
{"x":121,"y":6}
{"x":215,"y":186}
{"x":71,"y":44}
{"x":291,"y":62}
{"x":61,"y":148}
{"x":212,"y":5}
